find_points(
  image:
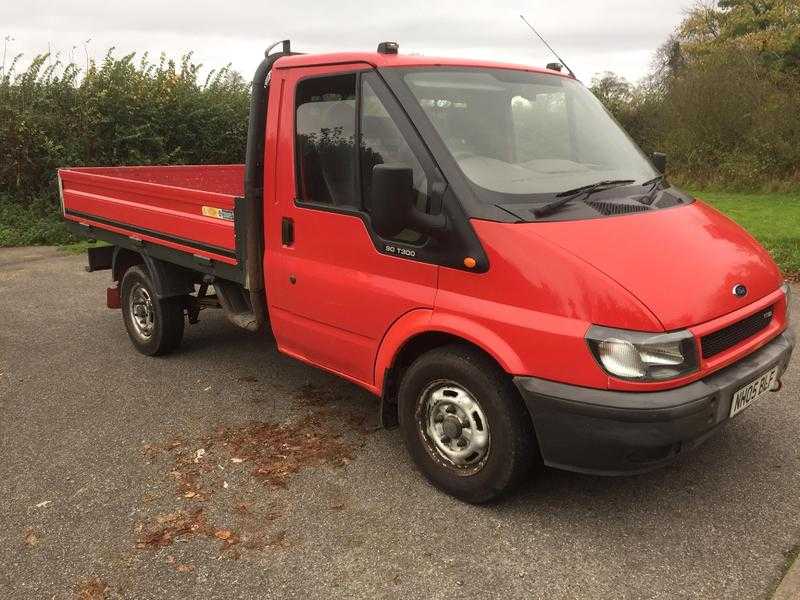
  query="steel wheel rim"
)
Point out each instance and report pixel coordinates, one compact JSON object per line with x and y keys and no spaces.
{"x":454,"y":427}
{"x":142,"y":312}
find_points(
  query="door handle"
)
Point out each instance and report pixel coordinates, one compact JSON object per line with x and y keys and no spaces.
{"x":287,"y":231}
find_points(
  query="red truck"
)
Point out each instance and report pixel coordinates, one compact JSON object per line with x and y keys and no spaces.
{"x":480,"y":245}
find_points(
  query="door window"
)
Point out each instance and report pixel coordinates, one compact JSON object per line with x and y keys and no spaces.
{"x":329,"y":171}
{"x":326,"y":124}
{"x":383,"y":143}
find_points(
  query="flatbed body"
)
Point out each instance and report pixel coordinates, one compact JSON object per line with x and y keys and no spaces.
{"x":188,"y":210}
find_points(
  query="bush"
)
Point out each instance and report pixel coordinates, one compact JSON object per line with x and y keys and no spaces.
{"x":117,"y":112}
{"x":722,"y":100}
{"x":31,"y":224}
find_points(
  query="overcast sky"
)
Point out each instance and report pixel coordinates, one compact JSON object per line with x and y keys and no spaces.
{"x":591,"y":35}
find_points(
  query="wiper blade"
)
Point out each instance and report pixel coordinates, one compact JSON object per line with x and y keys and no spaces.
{"x":594,"y":186}
{"x":654,"y":181}
{"x":569,"y":195}
{"x":650,"y":195}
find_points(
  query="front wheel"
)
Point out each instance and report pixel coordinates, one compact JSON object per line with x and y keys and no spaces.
{"x":464,"y":424}
{"x":154,"y":325}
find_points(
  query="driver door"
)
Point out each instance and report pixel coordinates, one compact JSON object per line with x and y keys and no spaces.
{"x":334,"y":286}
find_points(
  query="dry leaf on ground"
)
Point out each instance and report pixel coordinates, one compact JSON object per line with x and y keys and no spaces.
{"x":91,"y":588}
{"x":31,"y":539}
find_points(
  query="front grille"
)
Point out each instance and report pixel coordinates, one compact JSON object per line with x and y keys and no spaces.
{"x":721,"y":340}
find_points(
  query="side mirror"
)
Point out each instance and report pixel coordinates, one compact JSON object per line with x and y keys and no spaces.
{"x":660,"y":162}
{"x":393,"y":206}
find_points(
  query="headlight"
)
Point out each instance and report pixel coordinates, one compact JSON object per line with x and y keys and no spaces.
{"x":787,"y":291}
{"x":643,"y":356}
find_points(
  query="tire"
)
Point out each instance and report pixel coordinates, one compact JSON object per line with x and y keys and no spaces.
{"x":499,"y":444}
{"x":157,"y":327}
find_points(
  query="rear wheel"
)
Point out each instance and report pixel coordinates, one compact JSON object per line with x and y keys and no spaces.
{"x":464,"y":424}
{"x":154,"y":325}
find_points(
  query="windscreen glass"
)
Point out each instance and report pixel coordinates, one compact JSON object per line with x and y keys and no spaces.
{"x":519,"y":134}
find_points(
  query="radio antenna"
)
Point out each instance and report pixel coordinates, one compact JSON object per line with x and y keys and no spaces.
{"x":549,"y":47}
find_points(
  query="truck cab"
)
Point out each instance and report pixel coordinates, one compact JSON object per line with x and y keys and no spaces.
{"x":479,"y":244}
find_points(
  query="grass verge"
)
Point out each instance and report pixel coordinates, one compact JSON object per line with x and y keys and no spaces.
{"x":81,"y":246}
{"x":773,"y":219}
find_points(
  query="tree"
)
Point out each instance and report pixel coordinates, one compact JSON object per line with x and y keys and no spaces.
{"x":767,"y":28}
{"x":613,"y":90}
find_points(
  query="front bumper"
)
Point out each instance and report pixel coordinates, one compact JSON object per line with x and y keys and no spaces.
{"x":614,"y":433}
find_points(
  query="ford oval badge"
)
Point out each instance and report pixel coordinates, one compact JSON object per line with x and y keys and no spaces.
{"x":739,"y":290}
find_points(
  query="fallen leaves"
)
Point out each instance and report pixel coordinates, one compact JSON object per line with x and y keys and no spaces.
{"x":275,"y":452}
{"x":164,"y":529}
{"x":179,"y":567}
{"x":228,"y":537}
{"x":266,"y":452}
{"x":181,"y":525}
{"x":91,"y":588}
{"x":31,"y":539}
{"x":188,"y":472}
{"x":151,"y":451}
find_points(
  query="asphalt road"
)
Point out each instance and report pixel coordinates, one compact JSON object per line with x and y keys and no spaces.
{"x":134,"y":475}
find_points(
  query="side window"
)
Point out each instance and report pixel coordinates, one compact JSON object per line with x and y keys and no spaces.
{"x":383,"y":143}
{"x":325,"y":117}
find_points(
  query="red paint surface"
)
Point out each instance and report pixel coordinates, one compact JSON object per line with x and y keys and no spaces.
{"x":167,"y":200}
{"x":682,"y":262}
{"x":346,"y":294}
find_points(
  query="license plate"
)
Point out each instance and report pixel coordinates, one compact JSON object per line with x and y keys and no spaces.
{"x":748,"y":394}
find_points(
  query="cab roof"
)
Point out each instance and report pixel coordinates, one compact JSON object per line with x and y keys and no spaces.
{"x":379,"y":60}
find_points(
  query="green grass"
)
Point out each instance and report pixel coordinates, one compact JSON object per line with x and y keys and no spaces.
{"x":773,"y":219}
{"x":81,"y":247}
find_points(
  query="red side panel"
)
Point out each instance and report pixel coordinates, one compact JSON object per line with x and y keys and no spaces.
{"x":162,"y":205}
{"x":332,"y":295}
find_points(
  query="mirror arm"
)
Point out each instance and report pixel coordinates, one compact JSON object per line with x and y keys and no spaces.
{"x":431,"y":224}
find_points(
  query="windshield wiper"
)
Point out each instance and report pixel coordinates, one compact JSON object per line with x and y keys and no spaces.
{"x":569,"y":195}
{"x":654,"y":181}
{"x":649,"y":196}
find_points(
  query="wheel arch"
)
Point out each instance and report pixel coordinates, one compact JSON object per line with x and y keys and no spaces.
{"x":122,"y":260}
{"x":420,"y":331}
{"x":169,"y":280}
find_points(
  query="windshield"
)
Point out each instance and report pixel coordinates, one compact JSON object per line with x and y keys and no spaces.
{"x":520,"y":134}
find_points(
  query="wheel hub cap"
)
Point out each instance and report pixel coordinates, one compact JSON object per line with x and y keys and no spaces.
{"x":142,"y":312}
{"x":454,"y":426}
